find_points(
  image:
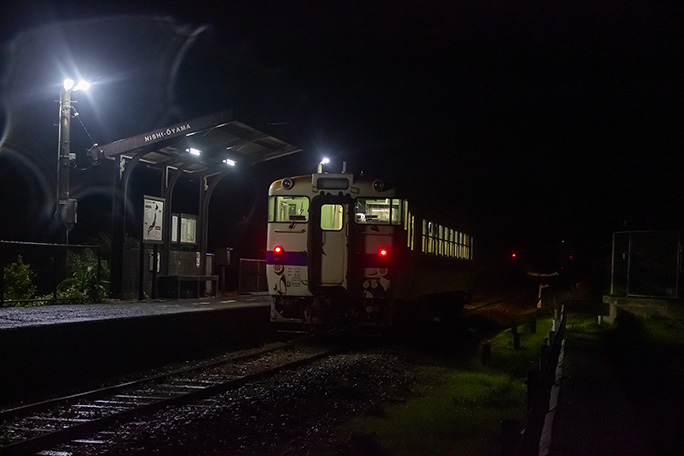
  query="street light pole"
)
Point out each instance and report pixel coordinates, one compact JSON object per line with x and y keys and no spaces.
{"x":64,"y":160}
{"x":67,"y":207}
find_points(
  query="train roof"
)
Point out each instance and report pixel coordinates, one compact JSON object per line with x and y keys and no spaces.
{"x":333,"y":182}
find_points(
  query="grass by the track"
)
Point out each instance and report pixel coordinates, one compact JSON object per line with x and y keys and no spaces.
{"x":458,"y":403}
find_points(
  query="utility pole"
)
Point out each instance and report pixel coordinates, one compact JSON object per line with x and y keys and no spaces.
{"x":67,"y":208}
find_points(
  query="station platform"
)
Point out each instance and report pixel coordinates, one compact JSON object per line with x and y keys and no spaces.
{"x":49,"y":350}
{"x":22,"y":317}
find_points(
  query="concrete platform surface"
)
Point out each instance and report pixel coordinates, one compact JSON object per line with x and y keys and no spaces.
{"x":20,"y":317}
{"x":52,"y":350}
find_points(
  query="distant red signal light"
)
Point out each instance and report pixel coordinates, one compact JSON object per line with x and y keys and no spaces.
{"x":278,"y":250}
{"x":514,"y":255}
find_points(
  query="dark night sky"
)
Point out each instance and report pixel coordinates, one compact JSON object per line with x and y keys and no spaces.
{"x":543,"y":121}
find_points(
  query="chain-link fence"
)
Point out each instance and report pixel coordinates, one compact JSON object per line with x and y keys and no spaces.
{"x":647,"y":264}
{"x":37,"y":273}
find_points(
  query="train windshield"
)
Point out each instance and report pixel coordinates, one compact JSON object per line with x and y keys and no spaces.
{"x":288,"y":209}
{"x":378,"y":211}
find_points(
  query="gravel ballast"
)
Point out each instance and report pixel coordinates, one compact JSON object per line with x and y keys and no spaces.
{"x":293,"y":413}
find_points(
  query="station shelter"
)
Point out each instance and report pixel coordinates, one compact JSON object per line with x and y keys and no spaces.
{"x":646,"y":273}
{"x":172,"y":258}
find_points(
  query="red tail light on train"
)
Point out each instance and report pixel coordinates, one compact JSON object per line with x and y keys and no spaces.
{"x":383,"y":253}
{"x":278,"y":250}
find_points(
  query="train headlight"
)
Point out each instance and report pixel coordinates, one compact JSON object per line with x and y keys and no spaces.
{"x":378,"y":185}
{"x":288,"y":183}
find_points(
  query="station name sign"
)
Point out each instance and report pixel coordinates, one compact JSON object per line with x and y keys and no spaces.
{"x":167,"y":133}
{"x":161,"y":135}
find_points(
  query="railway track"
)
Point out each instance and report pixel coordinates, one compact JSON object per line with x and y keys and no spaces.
{"x":84,"y":419}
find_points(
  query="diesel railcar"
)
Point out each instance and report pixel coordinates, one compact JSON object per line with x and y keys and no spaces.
{"x":345,"y":248}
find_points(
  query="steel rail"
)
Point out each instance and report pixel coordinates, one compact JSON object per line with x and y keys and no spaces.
{"x":64,"y":435}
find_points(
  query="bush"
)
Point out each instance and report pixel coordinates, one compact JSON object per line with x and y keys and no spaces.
{"x":83,"y":286}
{"x":18,"y":281}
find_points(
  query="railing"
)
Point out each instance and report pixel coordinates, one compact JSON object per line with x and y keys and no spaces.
{"x":41,"y":268}
{"x":542,"y":388}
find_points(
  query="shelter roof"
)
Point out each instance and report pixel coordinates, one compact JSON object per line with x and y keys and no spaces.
{"x":217,"y":137}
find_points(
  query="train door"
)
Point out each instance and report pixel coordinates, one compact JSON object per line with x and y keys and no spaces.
{"x":329,"y":242}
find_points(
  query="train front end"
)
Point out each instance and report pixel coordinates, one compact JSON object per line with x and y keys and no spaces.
{"x":329,"y":241}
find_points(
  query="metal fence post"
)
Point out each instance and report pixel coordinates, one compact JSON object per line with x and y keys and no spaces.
{"x":2,"y":273}
{"x":54,"y":275}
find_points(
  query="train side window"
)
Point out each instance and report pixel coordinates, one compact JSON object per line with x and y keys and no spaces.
{"x":440,"y":237}
{"x":410,"y":230}
{"x":459,"y":245}
{"x":395,"y":215}
{"x":378,"y":211}
{"x":271,"y":209}
{"x":428,"y":237}
{"x":451,"y":243}
{"x":454,"y":244}
{"x":435,"y":239}
{"x":288,"y":209}
{"x":413,"y":232}
{"x":332,"y":217}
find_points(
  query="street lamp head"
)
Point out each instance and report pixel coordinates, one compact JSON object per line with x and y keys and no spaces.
{"x":82,"y":85}
{"x":69,"y":84}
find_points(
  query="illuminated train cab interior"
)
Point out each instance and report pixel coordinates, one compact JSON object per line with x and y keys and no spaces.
{"x":342,"y":248}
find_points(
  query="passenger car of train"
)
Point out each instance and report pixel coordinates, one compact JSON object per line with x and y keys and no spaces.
{"x":344,"y":248}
